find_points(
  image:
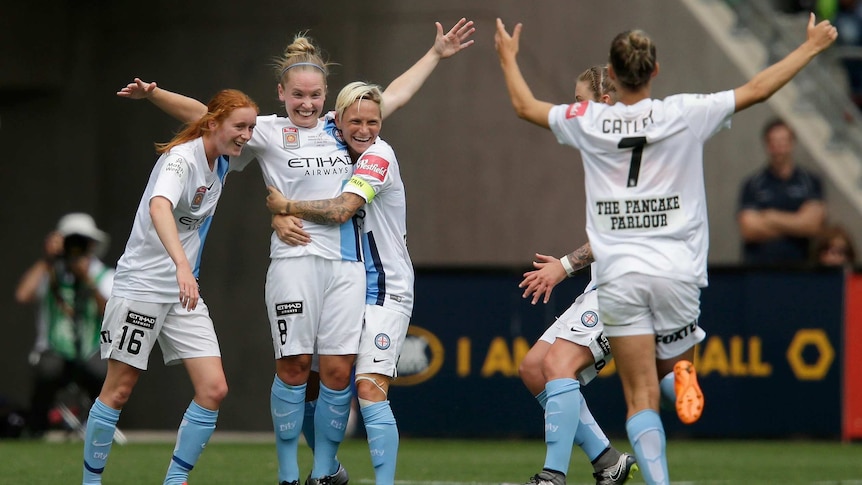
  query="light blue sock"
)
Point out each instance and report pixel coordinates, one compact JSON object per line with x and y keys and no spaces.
{"x":382,"y":434}
{"x":192,"y":437}
{"x":542,"y":397}
{"x":589,"y":436}
{"x":308,"y":423}
{"x":646,"y":434}
{"x":668,"y":392}
{"x":101,"y":424}
{"x":330,"y":424}
{"x":562,"y":413}
{"x":287,"y":407}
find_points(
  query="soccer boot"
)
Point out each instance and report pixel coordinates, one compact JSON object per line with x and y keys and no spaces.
{"x":689,"y":397}
{"x":619,"y":472}
{"x":547,"y":477}
{"x":340,"y":477}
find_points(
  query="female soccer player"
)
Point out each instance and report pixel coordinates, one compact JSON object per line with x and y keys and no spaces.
{"x":646,"y":221}
{"x":155,"y":295}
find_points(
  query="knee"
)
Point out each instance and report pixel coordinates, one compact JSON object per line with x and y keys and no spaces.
{"x":293,"y":371}
{"x":336,"y":377}
{"x":372,"y":387}
{"x":117,"y":396}
{"x":212,"y":393}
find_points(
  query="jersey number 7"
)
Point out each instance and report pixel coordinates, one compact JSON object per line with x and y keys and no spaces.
{"x":637,"y":144}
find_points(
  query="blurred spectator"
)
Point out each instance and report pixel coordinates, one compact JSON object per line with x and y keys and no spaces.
{"x":71,"y":286}
{"x":781,"y":207}
{"x":834,"y":247}
{"x":846,"y":15}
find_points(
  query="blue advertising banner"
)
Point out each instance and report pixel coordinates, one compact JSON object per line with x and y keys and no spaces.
{"x":770,"y":366}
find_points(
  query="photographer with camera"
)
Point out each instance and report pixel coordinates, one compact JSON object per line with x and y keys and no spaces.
{"x":71,"y":286}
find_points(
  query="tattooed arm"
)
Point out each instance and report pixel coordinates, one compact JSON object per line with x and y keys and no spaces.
{"x":327,"y":211}
{"x":550,"y":271}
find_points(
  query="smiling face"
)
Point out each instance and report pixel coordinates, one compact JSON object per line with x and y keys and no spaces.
{"x":303,"y":93}
{"x":229,"y":136}
{"x":360,"y":124}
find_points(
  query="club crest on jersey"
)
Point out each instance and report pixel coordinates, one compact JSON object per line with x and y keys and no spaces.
{"x":589,"y":319}
{"x":199,"y":197}
{"x":288,"y":308}
{"x":290,"y":136}
{"x":576,"y":109}
{"x":372,"y":166}
{"x":382,"y":341}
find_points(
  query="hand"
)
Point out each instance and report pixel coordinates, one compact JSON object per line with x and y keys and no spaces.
{"x":188,"y":288}
{"x":507,"y":45}
{"x":821,"y":35}
{"x":137,"y":90}
{"x":276,"y":202}
{"x":456,"y":39}
{"x":53,"y":245}
{"x":289,"y":230}
{"x":541,"y":281}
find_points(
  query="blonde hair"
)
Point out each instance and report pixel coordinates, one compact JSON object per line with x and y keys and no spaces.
{"x":600,"y":82}
{"x":633,"y":58}
{"x":220,"y":107}
{"x":357,"y":91}
{"x":302,"y":53}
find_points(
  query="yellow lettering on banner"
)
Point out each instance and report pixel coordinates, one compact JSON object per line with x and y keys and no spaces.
{"x":756,"y":367}
{"x":499,"y":359}
{"x":826,"y":354}
{"x":463,"y":361}
{"x":737,"y":359}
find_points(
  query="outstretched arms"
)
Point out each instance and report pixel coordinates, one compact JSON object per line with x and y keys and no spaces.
{"x":176,"y":105}
{"x":526,"y":105}
{"x":768,"y":81}
{"x":400,"y":90}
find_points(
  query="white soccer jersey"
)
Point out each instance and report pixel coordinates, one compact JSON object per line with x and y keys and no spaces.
{"x":643,"y":171}
{"x":304,"y":164}
{"x":145,"y":271}
{"x":388,"y":269}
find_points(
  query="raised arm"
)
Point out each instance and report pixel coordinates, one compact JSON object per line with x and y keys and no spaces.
{"x":550,"y":271}
{"x":526,"y":106}
{"x":337,"y":210}
{"x":176,"y":105}
{"x":768,"y":81}
{"x":400,"y":90}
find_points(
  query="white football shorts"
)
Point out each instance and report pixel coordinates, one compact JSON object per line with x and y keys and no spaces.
{"x":131,"y":328}
{"x":383,"y":334}
{"x":640,"y":304}
{"x":311,"y":300}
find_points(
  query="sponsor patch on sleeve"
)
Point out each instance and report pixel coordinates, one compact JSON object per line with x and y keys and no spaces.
{"x":576,"y":109}
{"x":373,"y":166}
{"x":288,"y":308}
{"x":177,"y":166}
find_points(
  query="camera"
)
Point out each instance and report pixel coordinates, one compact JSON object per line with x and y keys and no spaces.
{"x":75,"y":245}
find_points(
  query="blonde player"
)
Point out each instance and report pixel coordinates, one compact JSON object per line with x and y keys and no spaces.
{"x":376,"y":193}
{"x":646,"y":223}
{"x":155,"y":294}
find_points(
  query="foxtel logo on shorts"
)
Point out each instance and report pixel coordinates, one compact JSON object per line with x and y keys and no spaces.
{"x":140,"y":320}
{"x":289,"y":308}
{"x":372,"y":165}
{"x":576,"y":109}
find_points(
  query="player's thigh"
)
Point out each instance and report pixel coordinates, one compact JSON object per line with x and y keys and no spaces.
{"x":381,"y":341}
{"x":130,"y":329}
{"x":676,"y":319}
{"x":188,"y":334}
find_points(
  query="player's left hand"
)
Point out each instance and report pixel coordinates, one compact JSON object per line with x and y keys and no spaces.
{"x":137,"y":89}
{"x":507,"y":45}
{"x":541,"y":281}
{"x":453,"y":41}
{"x":289,"y":230}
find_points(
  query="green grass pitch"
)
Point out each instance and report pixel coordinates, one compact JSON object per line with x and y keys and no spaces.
{"x":442,"y":462}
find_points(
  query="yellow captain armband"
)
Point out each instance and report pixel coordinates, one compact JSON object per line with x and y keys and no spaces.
{"x":364,"y":187}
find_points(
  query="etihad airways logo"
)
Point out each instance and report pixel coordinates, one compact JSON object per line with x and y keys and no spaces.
{"x":373,"y":166}
{"x":140,"y":320}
